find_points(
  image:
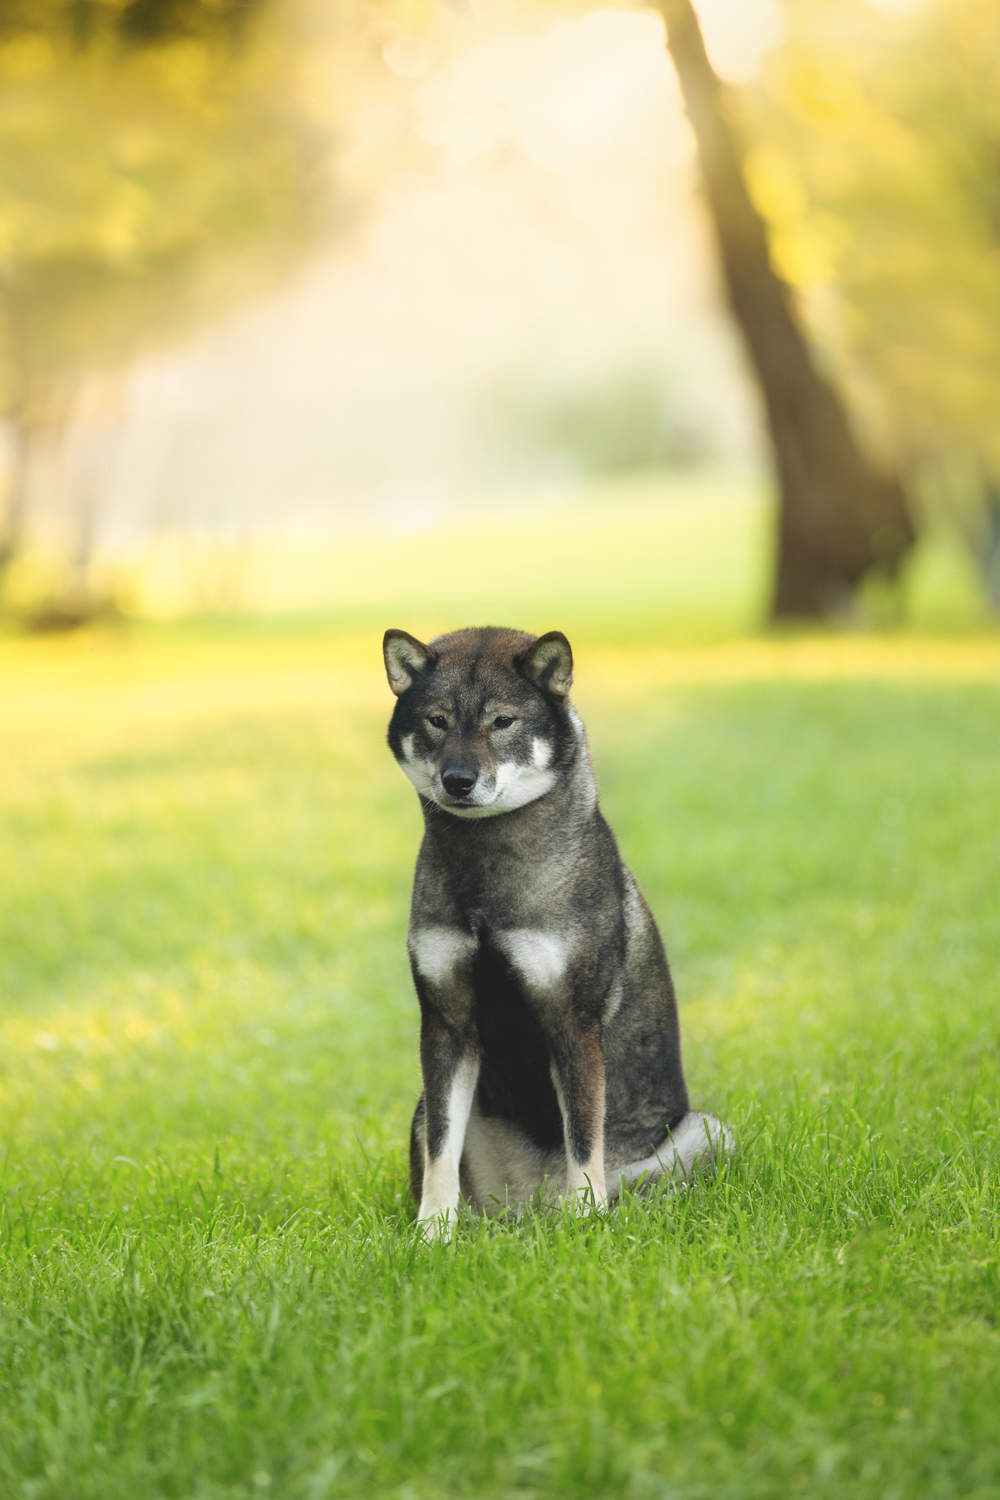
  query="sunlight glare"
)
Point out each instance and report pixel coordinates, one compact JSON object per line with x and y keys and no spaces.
{"x":897,"y":7}
{"x":739,"y":33}
{"x":583,"y":88}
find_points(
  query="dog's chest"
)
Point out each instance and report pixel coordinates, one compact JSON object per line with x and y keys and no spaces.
{"x":510,"y":986}
{"x":514,"y":1080}
{"x":502,"y":874}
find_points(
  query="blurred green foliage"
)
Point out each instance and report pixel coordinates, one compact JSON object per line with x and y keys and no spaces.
{"x":161,"y":159}
{"x":878,"y":168}
{"x":156,"y":157}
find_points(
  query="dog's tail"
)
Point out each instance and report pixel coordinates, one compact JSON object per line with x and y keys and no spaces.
{"x":698,"y":1146}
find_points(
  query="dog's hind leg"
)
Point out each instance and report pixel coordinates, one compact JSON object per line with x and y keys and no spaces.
{"x":503,"y":1168}
{"x":698,"y":1144}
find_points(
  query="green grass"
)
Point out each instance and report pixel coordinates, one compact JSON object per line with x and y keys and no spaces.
{"x":211,"y":1281}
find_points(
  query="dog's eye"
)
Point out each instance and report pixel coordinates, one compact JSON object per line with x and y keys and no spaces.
{"x":437,"y":721}
{"x":503,"y":721}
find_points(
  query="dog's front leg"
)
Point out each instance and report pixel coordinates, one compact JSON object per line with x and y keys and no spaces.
{"x":578,"y":1076}
{"x":442,"y":961}
{"x":450,"y":1065}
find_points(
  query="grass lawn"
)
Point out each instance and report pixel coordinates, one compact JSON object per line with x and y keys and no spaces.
{"x":211,"y":1282}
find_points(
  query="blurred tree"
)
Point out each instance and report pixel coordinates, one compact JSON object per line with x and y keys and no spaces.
{"x":880,"y":181}
{"x":839,"y":517}
{"x":158,"y":159}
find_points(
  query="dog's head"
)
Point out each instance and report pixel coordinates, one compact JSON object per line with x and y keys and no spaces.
{"x":482,"y":720}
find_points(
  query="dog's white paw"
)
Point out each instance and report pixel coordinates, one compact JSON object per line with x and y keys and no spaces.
{"x":436,"y":1223}
{"x":587,"y":1198}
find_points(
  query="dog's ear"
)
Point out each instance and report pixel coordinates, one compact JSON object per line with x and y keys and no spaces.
{"x":405,"y":659}
{"x":548,"y":663}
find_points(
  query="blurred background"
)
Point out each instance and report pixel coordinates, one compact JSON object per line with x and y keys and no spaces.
{"x":308,"y":305}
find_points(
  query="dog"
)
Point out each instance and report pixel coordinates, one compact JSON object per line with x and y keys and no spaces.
{"x":549,"y":1040}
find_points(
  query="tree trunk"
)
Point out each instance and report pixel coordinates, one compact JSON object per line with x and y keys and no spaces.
{"x":838,"y":517}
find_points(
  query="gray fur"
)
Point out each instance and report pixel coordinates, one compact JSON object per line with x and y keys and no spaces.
{"x":550,"y":1047}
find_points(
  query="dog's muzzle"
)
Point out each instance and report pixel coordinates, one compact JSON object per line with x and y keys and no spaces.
{"x":459,"y":780}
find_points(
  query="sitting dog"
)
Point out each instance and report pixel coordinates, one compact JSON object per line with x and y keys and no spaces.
{"x":549,"y":1043}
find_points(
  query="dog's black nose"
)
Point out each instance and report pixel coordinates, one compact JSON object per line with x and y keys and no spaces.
{"x":459,"y":780}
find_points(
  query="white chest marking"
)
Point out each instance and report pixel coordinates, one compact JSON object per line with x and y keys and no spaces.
{"x":438,"y":951}
{"x":539,"y":957}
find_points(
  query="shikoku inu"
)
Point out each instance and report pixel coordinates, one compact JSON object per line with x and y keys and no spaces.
{"x":549,"y":1043}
